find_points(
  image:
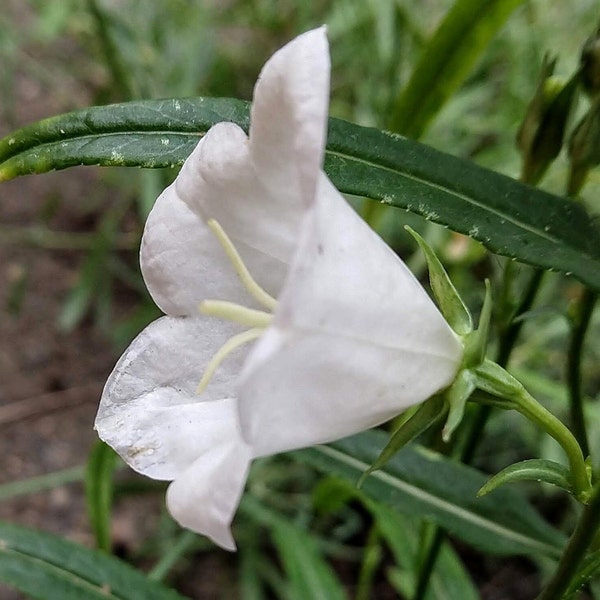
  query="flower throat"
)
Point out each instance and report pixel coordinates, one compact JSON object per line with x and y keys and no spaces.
{"x":256,"y":320}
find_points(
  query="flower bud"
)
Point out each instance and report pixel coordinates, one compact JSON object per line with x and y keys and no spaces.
{"x":541,"y":134}
{"x":584,"y":148}
{"x":590,"y":64}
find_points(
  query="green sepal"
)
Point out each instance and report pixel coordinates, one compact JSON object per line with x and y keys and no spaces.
{"x":428,"y":413}
{"x":495,"y":380}
{"x":450,"y":303}
{"x":456,"y":396}
{"x":530,"y":470}
{"x":476,"y":341}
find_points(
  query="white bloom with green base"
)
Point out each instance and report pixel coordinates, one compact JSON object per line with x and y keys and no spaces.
{"x":343,"y":335}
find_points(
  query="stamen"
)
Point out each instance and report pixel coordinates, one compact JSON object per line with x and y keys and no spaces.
{"x":230,"y":311}
{"x":240,"y":268}
{"x":227,"y":348}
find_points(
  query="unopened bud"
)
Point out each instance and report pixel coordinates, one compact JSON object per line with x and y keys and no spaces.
{"x":540,"y":137}
{"x":584,"y":148}
{"x":590,"y":64}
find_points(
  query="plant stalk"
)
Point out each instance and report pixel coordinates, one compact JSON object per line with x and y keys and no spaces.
{"x":508,"y":339}
{"x":583,"y":535}
{"x":581,"y":321}
{"x":534,"y":411}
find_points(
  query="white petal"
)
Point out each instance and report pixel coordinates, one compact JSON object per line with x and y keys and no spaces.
{"x":345,"y":280}
{"x":182,"y":261}
{"x":258,"y":190}
{"x":307,"y":388}
{"x":150,"y":412}
{"x":355,"y":339}
{"x":184,"y":264}
{"x":204,"y":498}
{"x":226,"y":187}
{"x":289,"y":116}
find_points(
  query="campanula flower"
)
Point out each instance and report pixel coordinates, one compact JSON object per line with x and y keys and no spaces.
{"x":288,"y":323}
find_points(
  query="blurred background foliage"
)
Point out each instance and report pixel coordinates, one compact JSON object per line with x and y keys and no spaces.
{"x":101,"y":51}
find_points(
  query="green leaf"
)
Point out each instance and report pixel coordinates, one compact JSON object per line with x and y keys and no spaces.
{"x":457,"y":395}
{"x":249,"y":582}
{"x":446,"y":61}
{"x":426,"y":484}
{"x":427,"y":413}
{"x":449,"y":581}
{"x":509,"y":218}
{"x":99,"y":492}
{"x":530,"y":470}
{"x":33,"y":485}
{"x":150,"y":133}
{"x":46,"y":567}
{"x":589,"y":569}
{"x":309,"y":574}
{"x":403,"y":536}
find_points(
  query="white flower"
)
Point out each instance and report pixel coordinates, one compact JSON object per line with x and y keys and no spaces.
{"x":353,"y":339}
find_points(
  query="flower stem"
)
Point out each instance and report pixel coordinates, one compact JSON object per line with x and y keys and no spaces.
{"x":581,"y":321}
{"x":511,"y":332}
{"x":507,"y":340}
{"x":534,"y":411}
{"x":583,"y":536}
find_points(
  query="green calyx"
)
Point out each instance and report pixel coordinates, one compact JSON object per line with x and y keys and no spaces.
{"x":459,"y":318}
{"x":448,"y":300}
{"x":481,"y":380}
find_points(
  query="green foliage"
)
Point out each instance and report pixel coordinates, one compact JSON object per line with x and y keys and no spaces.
{"x":423,"y":483}
{"x":177,"y":48}
{"x":47,"y":567}
{"x":446,"y":60}
{"x":450,"y":581}
{"x":99,"y":492}
{"x":309,"y":575}
{"x":532,"y":470}
{"x":509,"y":218}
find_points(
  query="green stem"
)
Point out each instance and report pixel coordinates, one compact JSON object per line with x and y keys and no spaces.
{"x":509,"y":335}
{"x":581,"y":321}
{"x":42,"y":237}
{"x":371,"y":560}
{"x":479,"y":419}
{"x":534,"y":411}
{"x":583,"y":536}
{"x":33,"y":485}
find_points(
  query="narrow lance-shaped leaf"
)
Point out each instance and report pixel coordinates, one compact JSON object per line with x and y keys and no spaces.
{"x":309,"y":574}
{"x":449,"y":580}
{"x":530,"y":470}
{"x":589,"y":569}
{"x":99,"y":492}
{"x":508,"y":217}
{"x":447,"y":59}
{"x":46,"y":567}
{"x":426,"y":484}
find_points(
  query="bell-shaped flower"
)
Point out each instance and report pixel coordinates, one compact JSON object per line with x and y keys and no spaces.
{"x":348,"y":339}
